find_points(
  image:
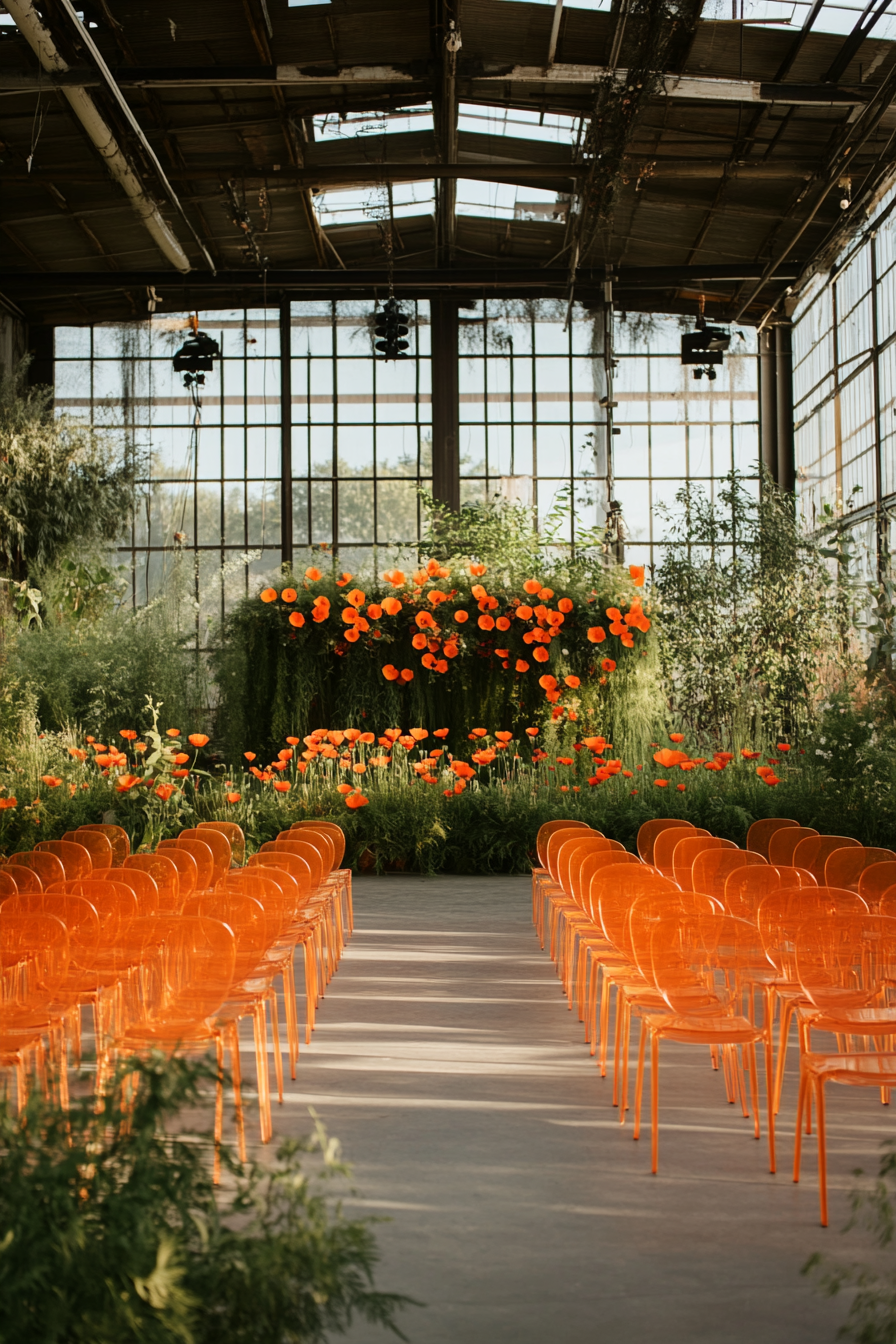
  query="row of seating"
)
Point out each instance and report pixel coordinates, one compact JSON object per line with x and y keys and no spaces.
{"x":170,"y":949}
{"x":692,"y":934}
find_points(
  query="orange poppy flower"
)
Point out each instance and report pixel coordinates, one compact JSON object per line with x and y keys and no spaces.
{"x":249,"y":755}
{"x":374,"y":611}
{"x":540,"y":655}
{"x":390,"y":672}
{"x":282,"y":785}
{"x":266,"y":595}
{"x":180,"y":774}
{"x":419,"y":641}
{"x":523,"y":613}
{"x":532,"y":732}
{"x":356,"y":800}
{"x":288,"y":595}
{"x":532,"y":586}
{"x":8,"y":802}
{"x":440,"y":732}
{"x":461,"y":616}
{"x":667,"y":758}
{"x":565,"y":604}
{"x":357,"y":598}
{"x":636,"y":573}
{"x":77,"y":753}
{"x":597,"y":634}
{"x":391,"y":606}
{"x":478,"y":592}
{"x":233,"y":797}
{"x":428,"y":661}
{"x":181,"y":758}
{"x":661,"y":783}
{"x":572,"y":682}
{"x":51,"y":781}
{"x":352,"y":636}
{"x":297,"y":619}
{"x":450,"y":650}
{"x":486,"y":622}
{"x":436,"y":596}
{"x":341,"y":583}
{"x":477,"y":571}
{"x":418,"y":734}
{"x":424,"y":620}
{"x":770,"y":780}
{"x":312,"y":574}
{"x":681,"y":787}
{"x":547,"y":683}
{"x":139,"y":746}
{"x":129,"y":734}
{"x":169,"y":732}
{"x":197,"y":739}
{"x":608,"y":665}
{"x":164,"y":791}
{"x":779,"y":746}
{"x":406,"y":674}
{"x":676,"y":737}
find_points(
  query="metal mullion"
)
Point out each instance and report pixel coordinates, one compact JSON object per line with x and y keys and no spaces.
{"x":878,"y":446}
{"x":308,"y":478}
{"x":485,"y":415}
{"x":572,"y":451}
{"x":535,"y":490}
{"x":376,"y":461}
{"x":334,"y":465}
{"x":416,"y":422}
{"x":286,"y":471}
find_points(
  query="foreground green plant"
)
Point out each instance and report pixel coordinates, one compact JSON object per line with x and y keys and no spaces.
{"x":113,"y":1233}
{"x":872,"y":1313}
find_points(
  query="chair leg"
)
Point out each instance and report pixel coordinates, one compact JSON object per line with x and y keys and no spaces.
{"x":798,"y":1133}
{"x":639,"y":1082}
{"x":260,"y":1032}
{"x":219,"y":1109}
{"x":275,"y":1037}
{"x":784,"y":1032}
{"x":654,"y":1102}
{"x":769,"y":1077}
{"x":754,"y":1087}
{"x":822,"y":1152}
{"x":234,"y":1043}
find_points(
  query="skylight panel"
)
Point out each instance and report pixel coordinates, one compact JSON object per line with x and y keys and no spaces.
{"x":330,"y":126}
{"x":836,"y":16}
{"x":362,"y":205}
{"x":517,"y":123}
{"x":498,"y":200}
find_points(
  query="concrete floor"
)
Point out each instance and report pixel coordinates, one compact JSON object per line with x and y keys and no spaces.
{"x":447,"y":1063}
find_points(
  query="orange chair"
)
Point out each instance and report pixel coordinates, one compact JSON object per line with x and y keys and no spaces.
{"x":114,"y":901}
{"x":541,"y":877}
{"x":234,"y":834}
{"x":26,"y":879}
{"x":683,"y":954}
{"x":74,"y":858}
{"x":563,"y":897}
{"x":712,"y":868}
{"x":202,"y":855}
{"x":312,"y":855}
{"x":572,"y":921}
{"x":664,"y":846}
{"x":784,"y":841}
{"x":196,"y":976}
{"x":117,"y":837}
{"x":760,"y":833}
{"x":875,"y":880}
{"x":308,"y":924}
{"x":98,"y":846}
{"x":166,"y":876}
{"x":333,"y":881}
{"x":140,"y":883}
{"x":217,"y":842}
{"x":687,"y":851}
{"x":812,"y":853}
{"x":845,"y":866}
{"x":47,"y":867}
{"x":186,"y":865}
{"x":337,"y":835}
{"x":37,"y":944}
{"x":8,"y":886}
{"x":649,"y":830}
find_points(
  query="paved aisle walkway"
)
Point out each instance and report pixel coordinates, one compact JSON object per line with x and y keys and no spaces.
{"x":447,"y":1063}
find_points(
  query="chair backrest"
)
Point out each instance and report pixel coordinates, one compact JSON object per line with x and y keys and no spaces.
{"x":547,"y":829}
{"x":293,"y":864}
{"x":74,"y":858}
{"x":200,"y":960}
{"x":665,"y":843}
{"x":234,"y":834}
{"x":79,"y":916}
{"x":98,"y":846}
{"x":141,"y":883}
{"x":274,"y":889}
{"x":649,"y":830}
{"x":782,"y":913}
{"x":336,"y":833}
{"x":8,"y":886}
{"x":844,"y":867}
{"x":712,"y":868}
{"x":186,"y":865}
{"x":309,"y":855}
{"x":812,"y":852}
{"x":322,"y":841}
{"x":686,"y":851}
{"x":48,"y":867}
{"x":554,"y":843}
{"x":114,"y":901}
{"x":746,"y":887}
{"x":614,"y":888}
{"x":671,"y":911}
{"x":116,"y":835}
{"x":26,"y":879}
{"x":166,"y":876}
{"x":217,"y":841}
{"x":843,"y":960}
{"x":245,"y":916}
{"x":761,"y":832}
{"x":785,"y":840}
{"x":40,"y":939}
{"x":876,"y":880}
{"x":573,"y":854}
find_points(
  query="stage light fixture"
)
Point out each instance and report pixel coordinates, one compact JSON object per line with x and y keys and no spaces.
{"x":196,"y":357}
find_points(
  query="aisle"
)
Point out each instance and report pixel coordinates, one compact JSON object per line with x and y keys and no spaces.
{"x":447,"y":1063}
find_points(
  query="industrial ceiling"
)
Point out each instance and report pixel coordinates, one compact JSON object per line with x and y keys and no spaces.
{"x":226,"y":154}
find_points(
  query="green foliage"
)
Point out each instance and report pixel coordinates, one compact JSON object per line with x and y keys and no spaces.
{"x":62,"y":483}
{"x":113,"y":1232}
{"x":872,"y":1312}
{"x":753,"y":623}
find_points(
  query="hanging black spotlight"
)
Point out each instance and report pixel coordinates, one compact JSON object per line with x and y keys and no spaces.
{"x":391,"y":326}
{"x":196,"y":357}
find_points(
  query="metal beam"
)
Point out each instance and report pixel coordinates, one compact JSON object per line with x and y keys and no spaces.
{"x":337,"y":78}
{"x":445,"y":422}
